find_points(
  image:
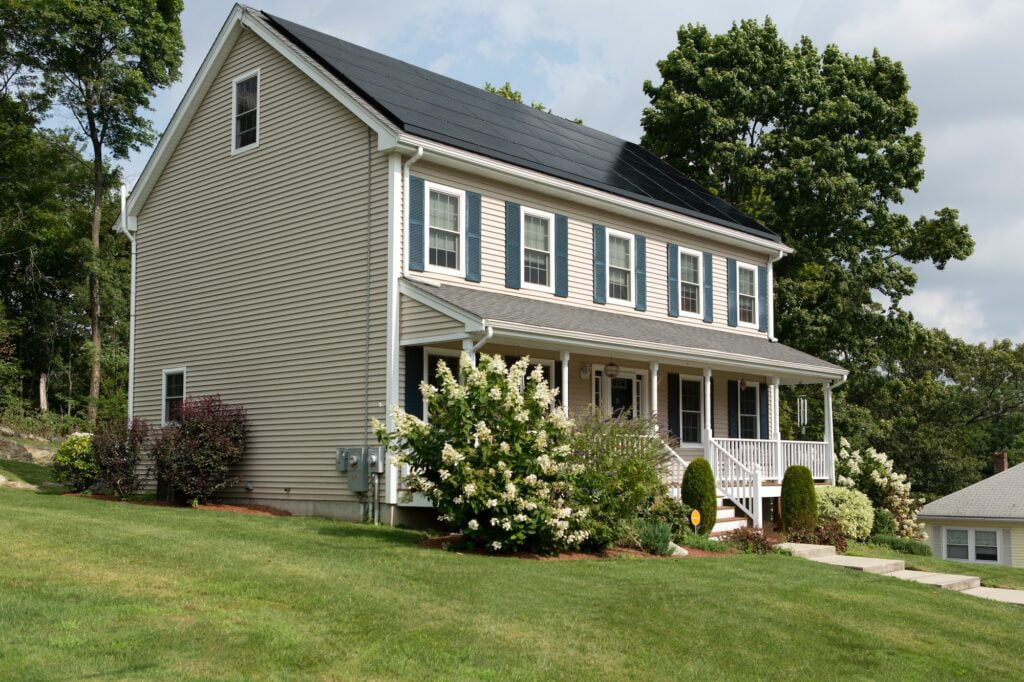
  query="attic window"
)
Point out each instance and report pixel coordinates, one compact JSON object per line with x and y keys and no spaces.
{"x":246,"y":107}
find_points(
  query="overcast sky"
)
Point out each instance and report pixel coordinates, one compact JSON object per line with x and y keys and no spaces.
{"x":589,"y":59}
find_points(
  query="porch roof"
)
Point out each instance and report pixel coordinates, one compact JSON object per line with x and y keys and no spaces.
{"x":573,"y":323}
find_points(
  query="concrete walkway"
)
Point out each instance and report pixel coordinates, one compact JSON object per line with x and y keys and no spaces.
{"x":896,"y":568}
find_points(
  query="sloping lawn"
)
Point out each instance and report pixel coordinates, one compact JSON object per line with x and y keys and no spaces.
{"x":25,"y":471}
{"x":94,"y":588}
{"x":991,"y":576}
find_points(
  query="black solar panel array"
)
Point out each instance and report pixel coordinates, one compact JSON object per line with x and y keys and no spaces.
{"x":444,"y":110}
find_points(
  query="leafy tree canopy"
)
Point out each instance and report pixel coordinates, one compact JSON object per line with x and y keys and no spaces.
{"x":508,"y":92}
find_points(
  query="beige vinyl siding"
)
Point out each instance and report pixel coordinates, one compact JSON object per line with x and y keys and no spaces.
{"x":419,"y":321}
{"x":252,"y":274}
{"x":581,"y":220}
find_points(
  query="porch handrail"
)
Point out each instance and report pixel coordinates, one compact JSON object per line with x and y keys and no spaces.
{"x":737,"y":483}
{"x":675,"y":469}
{"x":775,"y":456}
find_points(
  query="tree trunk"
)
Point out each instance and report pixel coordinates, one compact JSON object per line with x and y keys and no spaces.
{"x":44,"y":404}
{"x":94,"y":282}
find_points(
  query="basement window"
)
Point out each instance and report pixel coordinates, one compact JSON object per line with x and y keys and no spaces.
{"x":245,"y":103}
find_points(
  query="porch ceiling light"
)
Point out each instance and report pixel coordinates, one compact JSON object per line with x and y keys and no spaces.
{"x":585,"y":372}
{"x":611,"y":370}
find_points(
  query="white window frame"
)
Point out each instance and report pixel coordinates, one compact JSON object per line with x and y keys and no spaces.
{"x":757,"y":297}
{"x":234,"y":115}
{"x":460,"y":194}
{"x":740,"y":414}
{"x":183,"y":371}
{"x":700,"y":284}
{"x":550,"y":217}
{"x":972,"y":545}
{"x":700,"y":426}
{"x":609,"y":233}
{"x":640,"y":397}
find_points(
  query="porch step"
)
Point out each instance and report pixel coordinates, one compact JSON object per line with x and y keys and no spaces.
{"x":724,"y":525}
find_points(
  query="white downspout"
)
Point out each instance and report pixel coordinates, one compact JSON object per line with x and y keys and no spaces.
{"x":123,"y":227}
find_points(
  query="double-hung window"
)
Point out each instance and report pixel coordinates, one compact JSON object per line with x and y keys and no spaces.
{"x":620,"y":267}
{"x":972,"y":544}
{"x":173,"y":395}
{"x":690,"y":399}
{"x":690,"y":277}
{"x":746,"y":294}
{"x":446,"y":224}
{"x":750,"y":419}
{"x":538,"y":246}
{"x":245,"y":112}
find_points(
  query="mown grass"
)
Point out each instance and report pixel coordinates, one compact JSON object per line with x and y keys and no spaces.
{"x":991,"y":576}
{"x":95,"y":588}
{"x":25,"y":472}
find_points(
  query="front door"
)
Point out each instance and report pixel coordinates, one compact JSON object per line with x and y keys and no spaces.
{"x":622,"y":394}
{"x":622,"y":397}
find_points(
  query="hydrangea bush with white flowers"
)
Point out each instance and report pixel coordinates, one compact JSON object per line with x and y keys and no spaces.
{"x":493,"y":458}
{"x":872,"y":473}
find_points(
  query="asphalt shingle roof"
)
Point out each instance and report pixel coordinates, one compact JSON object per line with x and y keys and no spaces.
{"x":997,"y":497}
{"x":439,"y":108}
{"x":498,"y":307}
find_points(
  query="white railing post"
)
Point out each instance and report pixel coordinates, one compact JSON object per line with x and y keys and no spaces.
{"x":756,"y":502}
{"x":829,"y":437}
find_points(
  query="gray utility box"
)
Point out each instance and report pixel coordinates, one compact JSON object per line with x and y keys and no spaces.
{"x":358,"y":463}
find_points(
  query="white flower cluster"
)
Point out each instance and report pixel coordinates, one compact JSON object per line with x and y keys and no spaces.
{"x":872,"y":473}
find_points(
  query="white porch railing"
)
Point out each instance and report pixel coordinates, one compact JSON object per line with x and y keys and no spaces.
{"x":675,"y":467}
{"x":775,"y":456}
{"x":737,"y":482}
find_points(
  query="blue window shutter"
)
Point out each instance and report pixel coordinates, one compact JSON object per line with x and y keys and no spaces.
{"x":674,"y":427}
{"x":763,"y":390}
{"x":512,"y":251}
{"x":416,"y":237}
{"x":640,"y":297}
{"x":673,"y":280}
{"x":600,"y":288}
{"x":561,"y":256}
{"x":556,"y":382}
{"x":413,"y":377}
{"x":734,"y":409}
{"x":730,"y":279}
{"x":472,"y":237}
{"x":762,"y":298}
{"x":709,"y":288}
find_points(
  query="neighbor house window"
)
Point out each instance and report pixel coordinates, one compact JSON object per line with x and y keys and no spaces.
{"x":972,"y":544}
{"x":538,"y":245}
{"x":246,"y":105}
{"x":173,"y":395}
{"x":690,"y":410}
{"x":620,"y":267}
{"x":746,"y":292}
{"x":445,"y":224}
{"x":986,"y":547}
{"x":749,"y":417}
{"x":690,"y":266}
{"x":957,"y":544}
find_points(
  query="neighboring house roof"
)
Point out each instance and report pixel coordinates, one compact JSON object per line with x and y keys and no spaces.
{"x":574,"y":321}
{"x":444,"y":110}
{"x":997,"y":497}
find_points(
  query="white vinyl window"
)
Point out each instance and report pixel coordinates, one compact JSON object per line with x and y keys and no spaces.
{"x":691,"y":274}
{"x":446,"y":228}
{"x":691,"y":399}
{"x":749,"y":408}
{"x":746,"y":294}
{"x":172,"y":395}
{"x":538,"y":247}
{"x":620,"y":275}
{"x":973,"y":544}
{"x":245,"y":108}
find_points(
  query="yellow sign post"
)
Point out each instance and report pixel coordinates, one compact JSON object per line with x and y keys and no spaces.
{"x":695,"y":518}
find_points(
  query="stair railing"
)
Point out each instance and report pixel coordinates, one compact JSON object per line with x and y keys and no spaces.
{"x":737,"y":483}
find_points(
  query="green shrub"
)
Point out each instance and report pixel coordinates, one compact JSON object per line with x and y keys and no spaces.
{"x":670,"y":511}
{"x":698,"y":492}
{"x":799,"y":503}
{"x":903,"y":545}
{"x":74,"y":462}
{"x":849,"y":508}
{"x":873,"y":473}
{"x":750,"y":541}
{"x":620,"y":473}
{"x":702,"y":542}
{"x":118,"y":448}
{"x":653,"y":536}
{"x":885,"y":522}
{"x":826,"y":533}
{"x":194,"y":457}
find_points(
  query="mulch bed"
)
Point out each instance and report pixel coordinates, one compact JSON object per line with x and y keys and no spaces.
{"x":451,"y":542}
{"x":250,"y":509}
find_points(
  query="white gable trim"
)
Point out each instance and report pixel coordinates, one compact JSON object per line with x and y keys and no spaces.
{"x":239,"y":18}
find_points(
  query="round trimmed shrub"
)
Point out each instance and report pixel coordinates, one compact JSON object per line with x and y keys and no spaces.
{"x":850,"y":509}
{"x":75,"y":462}
{"x":799,"y":503}
{"x":698,"y":492}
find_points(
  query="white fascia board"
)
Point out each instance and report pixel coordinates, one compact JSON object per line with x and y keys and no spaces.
{"x":524,"y":177}
{"x":965,"y":519}
{"x":239,"y":18}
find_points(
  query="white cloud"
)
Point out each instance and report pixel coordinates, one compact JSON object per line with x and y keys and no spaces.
{"x":958,"y":312}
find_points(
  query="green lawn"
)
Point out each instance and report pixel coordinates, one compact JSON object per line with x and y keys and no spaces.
{"x":991,"y":576}
{"x":25,"y":471}
{"x":94,"y":588}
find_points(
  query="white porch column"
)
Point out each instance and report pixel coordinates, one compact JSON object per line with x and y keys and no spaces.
{"x":776,"y":429}
{"x":565,"y":382}
{"x":654,"y":393}
{"x":467,"y":348}
{"x":709,"y":429}
{"x":829,"y":436}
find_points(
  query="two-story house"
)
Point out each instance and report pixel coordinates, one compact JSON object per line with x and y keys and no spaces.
{"x":321,"y":224}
